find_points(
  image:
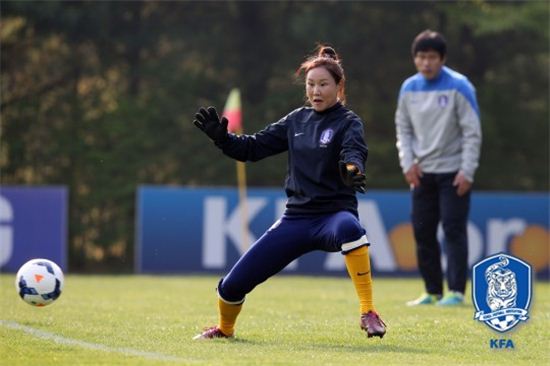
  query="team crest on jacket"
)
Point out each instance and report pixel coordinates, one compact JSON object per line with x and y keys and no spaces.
{"x":501,"y":291}
{"x":326,"y":136}
{"x":442,"y":100}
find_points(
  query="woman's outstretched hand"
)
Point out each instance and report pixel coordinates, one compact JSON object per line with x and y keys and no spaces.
{"x":208,"y":121}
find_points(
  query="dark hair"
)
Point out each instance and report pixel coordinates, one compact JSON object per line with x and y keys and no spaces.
{"x":325,"y":56}
{"x":429,"y":40}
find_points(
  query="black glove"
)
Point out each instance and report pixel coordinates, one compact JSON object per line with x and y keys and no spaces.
{"x":352,"y":177}
{"x":209,"y":122}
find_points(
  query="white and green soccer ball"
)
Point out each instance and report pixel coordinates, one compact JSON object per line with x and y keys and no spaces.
{"x":39,"y":282}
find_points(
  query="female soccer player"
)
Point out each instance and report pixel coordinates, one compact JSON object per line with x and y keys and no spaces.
{"x":326,"y":159}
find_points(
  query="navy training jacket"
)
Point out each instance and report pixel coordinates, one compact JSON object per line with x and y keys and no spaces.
{"x":316,"y":142}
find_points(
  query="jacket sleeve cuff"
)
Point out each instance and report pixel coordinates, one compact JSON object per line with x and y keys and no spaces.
{"x":358,"y":164}
{"x":468,"y":175}
{"x":406,"y":165}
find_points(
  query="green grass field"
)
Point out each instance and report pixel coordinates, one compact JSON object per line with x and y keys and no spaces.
{"x":150,"y":320}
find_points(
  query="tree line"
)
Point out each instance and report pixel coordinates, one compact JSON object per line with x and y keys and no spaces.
{"x":100,"y":96}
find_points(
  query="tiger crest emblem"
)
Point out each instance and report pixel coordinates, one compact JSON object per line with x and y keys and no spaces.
{"x":501,"y":285}
{"x":501,"y":291}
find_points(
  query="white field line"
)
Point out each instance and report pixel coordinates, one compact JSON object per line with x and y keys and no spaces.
{"x":94,"y":346}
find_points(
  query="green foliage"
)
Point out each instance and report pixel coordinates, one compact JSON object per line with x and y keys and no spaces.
{"x":286,"y":321}
{"x":100,"y":96}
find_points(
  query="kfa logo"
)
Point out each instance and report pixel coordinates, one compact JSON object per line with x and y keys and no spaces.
{"x":442,"y":100}
{"x":326,"y":137}
{"x":501,"y":291}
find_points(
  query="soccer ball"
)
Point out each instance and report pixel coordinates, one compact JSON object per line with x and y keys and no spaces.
{"x":39,"y":282}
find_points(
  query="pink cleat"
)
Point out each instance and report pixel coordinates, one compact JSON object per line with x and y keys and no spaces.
{"x":210,"y":333}
{"x":373,"y":325}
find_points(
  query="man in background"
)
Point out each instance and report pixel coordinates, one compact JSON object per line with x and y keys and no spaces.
{"x":438,"y":138}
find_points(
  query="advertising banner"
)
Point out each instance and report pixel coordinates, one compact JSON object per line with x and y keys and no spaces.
{"x":33,"y":224}
{"x":181,"y":230}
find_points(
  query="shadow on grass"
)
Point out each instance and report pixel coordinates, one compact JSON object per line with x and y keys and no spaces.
{"x":366,"y":348}
{"x":370,"y":346}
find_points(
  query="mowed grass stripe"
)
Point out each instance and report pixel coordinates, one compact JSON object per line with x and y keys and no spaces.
{"x":41,"y":334}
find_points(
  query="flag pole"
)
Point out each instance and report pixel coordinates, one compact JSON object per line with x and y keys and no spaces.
{"x":233,"y":113}
{"x":241,"y":182}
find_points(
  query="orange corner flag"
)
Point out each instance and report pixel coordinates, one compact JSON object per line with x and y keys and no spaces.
{"x":232,"y":111}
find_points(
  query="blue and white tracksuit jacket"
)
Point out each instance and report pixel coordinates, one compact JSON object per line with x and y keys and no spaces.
{"x":438,"y":124}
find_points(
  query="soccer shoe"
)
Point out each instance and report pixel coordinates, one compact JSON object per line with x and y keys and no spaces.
{"x":373,"y":325}
{"x":424,"y":299}
{"x":210,"y":333}
{"x":453,"y":298}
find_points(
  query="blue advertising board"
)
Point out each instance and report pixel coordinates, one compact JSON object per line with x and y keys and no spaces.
{"x":182,"y":230}
{"x":33,"y":224}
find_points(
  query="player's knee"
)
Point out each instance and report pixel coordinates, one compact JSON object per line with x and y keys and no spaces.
{"x":349,"y":226}
{"x":230,"y":292}
{"x":349,"y":234}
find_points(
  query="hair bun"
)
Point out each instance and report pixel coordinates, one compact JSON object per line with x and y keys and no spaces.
{"x":329,"y":52}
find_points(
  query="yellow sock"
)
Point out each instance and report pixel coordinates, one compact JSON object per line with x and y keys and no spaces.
{"x":358,"y":265}
{"x":228,"y":316}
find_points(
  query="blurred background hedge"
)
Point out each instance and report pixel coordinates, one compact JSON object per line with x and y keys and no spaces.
{"x":100,"y":96}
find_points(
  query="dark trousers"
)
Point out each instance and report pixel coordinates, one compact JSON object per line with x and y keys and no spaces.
{"x":433,"y":201}
{"x":286,"y":240}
